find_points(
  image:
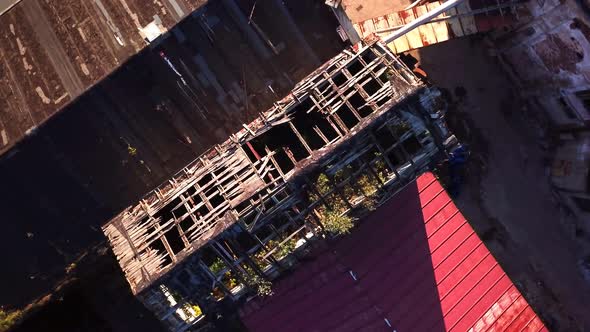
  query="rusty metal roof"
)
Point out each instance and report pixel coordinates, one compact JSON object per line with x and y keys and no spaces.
{"x":52,"y":51}
{"x":414,"y":265}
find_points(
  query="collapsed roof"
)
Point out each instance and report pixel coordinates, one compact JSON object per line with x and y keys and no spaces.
{"x":363,"y":113}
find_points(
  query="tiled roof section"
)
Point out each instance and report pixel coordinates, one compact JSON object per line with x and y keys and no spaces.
{"x":419,"y":266}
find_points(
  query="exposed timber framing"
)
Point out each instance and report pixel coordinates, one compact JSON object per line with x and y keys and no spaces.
{"x":360,"y":121}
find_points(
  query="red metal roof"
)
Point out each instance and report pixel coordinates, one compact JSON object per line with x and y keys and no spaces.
{"x":419,"y":267}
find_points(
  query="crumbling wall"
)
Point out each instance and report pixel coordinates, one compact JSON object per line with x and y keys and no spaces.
{"x":550,"y":59}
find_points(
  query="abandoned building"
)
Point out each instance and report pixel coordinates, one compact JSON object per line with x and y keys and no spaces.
{"x":112,"y":98}
{"x":547,"y":58}
{"x":361,"y":122}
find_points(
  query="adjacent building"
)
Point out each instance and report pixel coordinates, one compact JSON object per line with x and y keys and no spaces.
{"x":414,"y":265}
{"x":548,"y":59}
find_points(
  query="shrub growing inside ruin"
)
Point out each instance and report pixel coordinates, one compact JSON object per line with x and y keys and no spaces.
{"x":336,"y":223}
{"x":261,"y":286}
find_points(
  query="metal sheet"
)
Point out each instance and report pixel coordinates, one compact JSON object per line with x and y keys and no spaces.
{"x":417,"y":266}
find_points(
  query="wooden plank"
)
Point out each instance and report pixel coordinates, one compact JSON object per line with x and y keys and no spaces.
{"x":401,"y":44}
{"x":413,"y":36}
{"x":234,"y":176}
{"x":359,"y":30}
{"x":468,"y":22}
{"x":441,"y":30}
{"x":381,"y":23}
{"x":454,"y":23}
{"x":367,"y":27}
{"x":426,"y":31}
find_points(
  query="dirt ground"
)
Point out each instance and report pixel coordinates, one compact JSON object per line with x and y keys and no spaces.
{"x":507,"y":195}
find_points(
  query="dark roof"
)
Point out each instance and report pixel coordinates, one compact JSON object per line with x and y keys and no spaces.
{"x":87,"y":174}
{"x":53,"y":51}
{"x":419,"y":265}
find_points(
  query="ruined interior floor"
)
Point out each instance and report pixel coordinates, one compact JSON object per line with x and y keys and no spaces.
{"x":510,"y":205}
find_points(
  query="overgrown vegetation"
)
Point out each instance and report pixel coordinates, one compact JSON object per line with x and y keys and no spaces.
{"x":197,"y":310}
{"x":251,"y":279}
{"x":337,"y":223}
{"x":364,"y":187}
{"x":381,"y":168}
{"x":281,"y":250}
{"x":259,"y":259}
{"x":228,"y":278}
{"x":8,"y":319}
{"x":286,"y":248}
{"x":217,"y":266}
{"x":324,"y":186}
{"x":192,"y":310}
{"x":229,"y":281}
{"x":131,"y":150}
{"x":370,"y":186}
{"x":331,"y":217}
{"x":261,"y":286}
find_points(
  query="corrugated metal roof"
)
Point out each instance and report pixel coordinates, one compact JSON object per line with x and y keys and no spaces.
{"x":419,"y":266}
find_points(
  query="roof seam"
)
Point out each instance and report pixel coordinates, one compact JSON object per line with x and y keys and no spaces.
{"x":507,"y":308}
{"x":457,"y":247}
{"x":530,"y":320}
{"x":461,"y":262}
{"x":515,"y":317}
{"x":466,"y":274}
{"x":432,"y":198}
{"x":432,"y":180}
{"x":504,"y":310}
{"x":481,"y":297}
{"x":447,"y":238}
{"x":471,"y":289}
